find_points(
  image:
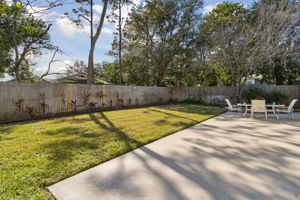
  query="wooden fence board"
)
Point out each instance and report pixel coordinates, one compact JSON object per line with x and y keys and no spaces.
{"x":57,"y":97}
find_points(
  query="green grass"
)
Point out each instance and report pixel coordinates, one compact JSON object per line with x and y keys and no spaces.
{"x":36,"y":154}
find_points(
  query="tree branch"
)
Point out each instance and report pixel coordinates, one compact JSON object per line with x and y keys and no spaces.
{"x":51,"y":61}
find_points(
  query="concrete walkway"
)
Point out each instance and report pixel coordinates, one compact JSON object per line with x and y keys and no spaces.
{"x":222,"y":158}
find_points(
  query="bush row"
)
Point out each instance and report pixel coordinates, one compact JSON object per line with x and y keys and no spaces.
{"x":257,"y":93}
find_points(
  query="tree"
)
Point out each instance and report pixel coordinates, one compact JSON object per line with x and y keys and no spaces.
{"x":22,"y":36}
{"x":85,"y":12}
{"x":244,"y":40}
{"x":155,"y":36}
{"x":117,"y":18}
{"x":222,"y":29}
{"x":79,"y":67}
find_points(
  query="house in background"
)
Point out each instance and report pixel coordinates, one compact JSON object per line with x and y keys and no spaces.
{"x":80,"y":78}
{"x":255,"y":80}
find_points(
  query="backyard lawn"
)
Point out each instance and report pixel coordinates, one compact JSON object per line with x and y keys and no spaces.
{"x":39,"y":153}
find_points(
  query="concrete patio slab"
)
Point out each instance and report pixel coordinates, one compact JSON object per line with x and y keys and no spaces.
{"x":226,"y":157}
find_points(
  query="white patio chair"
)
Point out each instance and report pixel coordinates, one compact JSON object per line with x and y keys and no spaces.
{"x":289,"y":110}
{"x":232,"y":108}
{"x":258,"y":106}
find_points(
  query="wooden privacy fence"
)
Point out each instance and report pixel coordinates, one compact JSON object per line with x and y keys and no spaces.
{"x":21,"y":101}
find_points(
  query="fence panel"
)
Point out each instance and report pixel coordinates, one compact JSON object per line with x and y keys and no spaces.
{"x":26,"y":100}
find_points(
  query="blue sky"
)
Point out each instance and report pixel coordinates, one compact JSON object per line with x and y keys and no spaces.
{"x":74,"y":42}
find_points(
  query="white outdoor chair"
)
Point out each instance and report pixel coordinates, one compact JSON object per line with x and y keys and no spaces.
{"x":232,"y":108}
{"x":289,"y":110}
{"x":258,"y":106}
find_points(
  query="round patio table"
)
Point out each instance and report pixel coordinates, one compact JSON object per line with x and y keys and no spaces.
{"x":273,"y":106}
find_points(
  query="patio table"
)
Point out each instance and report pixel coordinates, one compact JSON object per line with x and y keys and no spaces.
{"x":273,"y":106}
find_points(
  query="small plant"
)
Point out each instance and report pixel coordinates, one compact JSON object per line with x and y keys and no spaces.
{"x":42,"y":95}
{"x":19,"y":104}
{"x":86,"y":97}
{"x":101,"y":94}
{"x":120,"y":101}
{"x":92,"y":104}
{"x":129,"y":101}
{"x":31,"y":111}
{"x":73,"y":102}
{"x":43,"y":106}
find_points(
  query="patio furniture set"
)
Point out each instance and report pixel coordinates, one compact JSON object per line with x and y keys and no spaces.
{"x":260,"y":106}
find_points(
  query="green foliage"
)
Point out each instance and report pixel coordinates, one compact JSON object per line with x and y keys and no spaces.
{"x":21,"y":36}
{"x":158,"y":43}
{"x":281,"y":71}
{"x":194,"y":101}
{"x":40,"y":153}
{"x":239,"y":42}
{"x":275,"y":96}
{"x":225,"y":14}
{"x":251,"y":93}
{"x":79,"y":67}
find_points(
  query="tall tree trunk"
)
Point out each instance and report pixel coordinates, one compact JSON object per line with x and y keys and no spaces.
{"x":120,"y":42}
{"x":17,"y":75}
{"x":90,"y":76}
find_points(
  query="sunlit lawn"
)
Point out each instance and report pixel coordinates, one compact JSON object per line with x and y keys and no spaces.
{"x":36,"y":154}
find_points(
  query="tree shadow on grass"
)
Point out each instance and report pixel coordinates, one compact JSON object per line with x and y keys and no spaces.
{"x":160,"y":122}
{"x":65,"y":149}
{"x":112,"y":128}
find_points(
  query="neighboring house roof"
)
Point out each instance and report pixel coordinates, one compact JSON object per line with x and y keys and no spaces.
{"x":76,"y":77}
{"x":46,"y":80}
{"x":72,"y":78}
{"x":80,"y":78}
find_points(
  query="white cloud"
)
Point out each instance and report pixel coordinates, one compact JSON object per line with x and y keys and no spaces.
{"x":107,"y":30}
{"x":67,"y":28}
{"x":56,"y":67}
{"x":98,"y":8}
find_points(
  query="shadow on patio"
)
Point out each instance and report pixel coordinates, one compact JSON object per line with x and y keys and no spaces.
{"x":223,"y":158}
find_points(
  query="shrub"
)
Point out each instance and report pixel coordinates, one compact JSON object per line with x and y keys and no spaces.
{"x":92,"y":104}
{"x":251,"y":93}
{"x":194,"y":101}
{"x":275,"y":96}
{"x":257,"y":93}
